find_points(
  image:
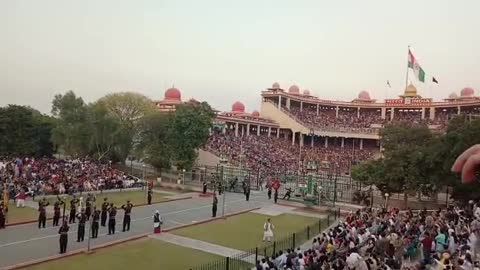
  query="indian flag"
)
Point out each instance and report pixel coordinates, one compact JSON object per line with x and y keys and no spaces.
{"x":417,"y":69}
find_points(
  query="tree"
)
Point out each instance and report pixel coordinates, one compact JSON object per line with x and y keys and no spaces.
{"x":189,"y":131}
{"x":71,"y":132}
{"x":127,"y":108}
{"x":105,"y":131}
{"x":154,"y":145}
{"x":25,"y":131}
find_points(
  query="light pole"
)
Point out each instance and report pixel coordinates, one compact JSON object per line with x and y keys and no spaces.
{"x":223,"y":161}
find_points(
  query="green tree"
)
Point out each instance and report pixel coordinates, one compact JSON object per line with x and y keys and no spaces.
{"x":189,"y":131}
{"x":154,"y":145}
{"x":71,"y":132}
{"x":127,"y":108}
{"x":25,"y":131}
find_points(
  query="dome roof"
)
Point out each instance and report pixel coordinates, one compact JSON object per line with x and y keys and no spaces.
{"x":306,"y":92}
{"x":255,"y":114}
{"x":238,"y":107}
{"x":467,"y":92}
{"x":173,"y":94}
{"x":275,"y":85}
{"x":453,"y":95}
{"x":364,"y":95}
{"x":294,"y":89}
{"x":411,"y":91}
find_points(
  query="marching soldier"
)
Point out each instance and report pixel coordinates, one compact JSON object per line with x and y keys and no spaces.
{"x":63,"y":237}
{"x":73,"y":209}
{"x":275,"y":196}
{"x":214,"y":205}
{"x":56,"y":211}
{"x":247,"y":192}
{"x":104,"y":212}
{"x":88,"y":206}
{"x":126,"y":217}
{"x":42,"y":213}
{"x":149,"y":196}
{"x":95,"y":219}
{"x":269,"y":192}
{"x":82,"y":219}
{"x":3,"y":212}
{"x":288,"y":194}
{"x":204,"y":186}
{"x":112,"y":212}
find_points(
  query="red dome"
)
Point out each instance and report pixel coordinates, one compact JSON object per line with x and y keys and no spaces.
{"x":275,"y":85}
{"x":238,"y":107}
{"x":173,"y":94}
{"x":255,"y":114}
{"x":467,"y":92}
{"x":453,"y":95}
{"x":294,"y":89}
{"x":364,"y":95}
{"x":306,"y":92}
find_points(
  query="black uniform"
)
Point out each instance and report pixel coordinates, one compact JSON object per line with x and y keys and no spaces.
{"x":126,"y":217}
{"x":149,"y":196}
{"x":204,"y":187}
{"x":214,"y":207}
{"x":269,"y":193}
{"x":104,"y":213}
{"x":82,"y":218}
{"x":56,"y":212}
{"x":95,"y":219}
{"x":42,"y":213}
{"x":63,"y":237}
{"x":88,"y":208}
{"x":3,"y":211}
{"x":247,"y":193}
{"x":288,"y":194}
{"x":112,"y":212}
{"x":275,"y":196}
{"x":73,"y":210}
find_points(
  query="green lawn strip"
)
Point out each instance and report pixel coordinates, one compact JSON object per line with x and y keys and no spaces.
{"x":140,"y":254}
{"x":245,"y":231}
{"x":16,"y":215}
{"x":117,"y":198}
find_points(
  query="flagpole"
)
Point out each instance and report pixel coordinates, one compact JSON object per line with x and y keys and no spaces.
{"x":408,"y":58}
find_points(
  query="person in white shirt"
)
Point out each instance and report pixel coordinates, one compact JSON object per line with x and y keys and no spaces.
{"x":268,"y":231}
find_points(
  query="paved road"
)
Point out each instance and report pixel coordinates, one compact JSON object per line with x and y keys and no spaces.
{"x":26,"y":242}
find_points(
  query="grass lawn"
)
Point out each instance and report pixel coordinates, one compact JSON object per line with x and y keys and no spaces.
{"x":16,"y":215}
{"x":117,"y":198}
{"x":245,"y":231}
{"x":140,"y":254}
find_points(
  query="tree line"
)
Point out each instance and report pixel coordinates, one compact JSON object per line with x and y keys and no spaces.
{"x":417,"y":161}
{"x":115,"y":127}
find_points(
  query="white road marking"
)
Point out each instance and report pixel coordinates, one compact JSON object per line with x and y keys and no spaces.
{"x":133,"y":220}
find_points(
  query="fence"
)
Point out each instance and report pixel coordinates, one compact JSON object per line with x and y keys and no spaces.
{"x":248,"y":259}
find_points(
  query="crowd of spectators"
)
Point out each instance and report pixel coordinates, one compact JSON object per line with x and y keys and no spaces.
{"x":36,"y":176}
{"x":445,"y":239}
{"x":350,"y":119}
{"x":275,"y":155}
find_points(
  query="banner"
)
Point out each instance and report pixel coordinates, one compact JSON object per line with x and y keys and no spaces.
{"x":421,"y":101}
{"x":394,"y":101}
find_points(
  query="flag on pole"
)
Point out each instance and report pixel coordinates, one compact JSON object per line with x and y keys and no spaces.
{"x":417,"y":69}
{"x":388,"y":83}
{"x":434,"y":80}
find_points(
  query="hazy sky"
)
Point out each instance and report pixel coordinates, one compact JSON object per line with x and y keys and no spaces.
{"x":222,"y":51}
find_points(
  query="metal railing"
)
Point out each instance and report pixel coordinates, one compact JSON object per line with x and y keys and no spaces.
{"x":249,"y":258}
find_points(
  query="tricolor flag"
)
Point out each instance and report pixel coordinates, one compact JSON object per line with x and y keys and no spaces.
{"x":417,"y":69}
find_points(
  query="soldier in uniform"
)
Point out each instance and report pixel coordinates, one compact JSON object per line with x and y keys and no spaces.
{"x":205,"y":187}
{"x":126,"y":217}
{"x":88,"y":206}
{"x":275,"y":196}
{"x":149,"y":196}
{"x":247,"y":192}
{"x":3,"y":211}
{"x":56,"y":211}
{"x":95,"y":219}
{"x":112,"y":212}
{"x":105,"y":205}
{"x":73,"y":209}
{"x":63,"y":237}
{"x":82,"y":219}
{"x":214,"y":205}
{"x":42,"y":213}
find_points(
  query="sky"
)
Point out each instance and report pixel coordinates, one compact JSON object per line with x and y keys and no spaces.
{"x":222,"y":51}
